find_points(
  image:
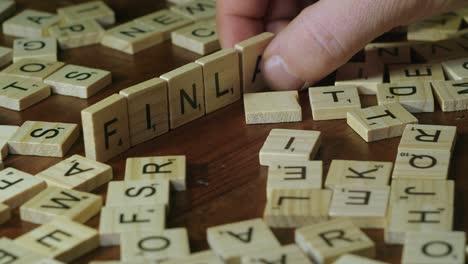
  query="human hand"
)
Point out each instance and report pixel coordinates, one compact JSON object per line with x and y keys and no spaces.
{"x":314,"y":39}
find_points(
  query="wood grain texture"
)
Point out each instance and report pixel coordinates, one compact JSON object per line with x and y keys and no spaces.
{"x":225,"y":183}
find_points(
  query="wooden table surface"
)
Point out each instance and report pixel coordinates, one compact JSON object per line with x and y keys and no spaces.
{"x":225,"y":181}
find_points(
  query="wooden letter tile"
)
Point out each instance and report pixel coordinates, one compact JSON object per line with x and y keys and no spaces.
{"x":96,"y":10}
{"x":18,"y":93}
{"x":296,"y":208}
{"x":117,"y":220}
{"x":434,"y":247}
{"x":148,"y":114}
{"x":196,"y":9}
{"x":17,"y":187}
{"x":131,"y":37}
{"x":105,"y":128}
{"x":154,"y":245}
{"x":272,"y":107}
{"x":251,"y":52}
{"x":365,"y":76}
{"x":203,"y":257}
{"x":138,"y":192}
{"x":14,"y":253}
{"x":416,"y":97}
{"x":428,"y":137}
{"x":78,"y":81}
{"x":434,"y":28}
{"x":231,"y":241}
{"x":421,"y":164}
{"x":172,"y":168}
{"x":200,"y":38}
{"x":404,"y":190}
{"x":325,"y":242}
{"x":186,"y":99}
{"x":35,"y":48}
{"x":456,"y":69}
{"x":30,"y":24}
{"x":333,"y":102}
{"x":439,"y":51}
{"x":164,"y":22}
{"x":5,"y":213}
{"x":6,"y":54}
{"x":7,"y":9}
{"x":77,"y":34}
{"x":352,"y":259}
{"x":380,"y":122}
{"x":221,"y":79}
{"x":451,"y":95}
{"x":56,"y":202}
{"x":77,"y":172}
{"x":289,"y":145}
{"x":47,"y":139}
{"x":387,"y":53}
{"x":294,"y":175}
{"x":415,"y":72}
{"x":61,"y":239}
{"x":358,"y":173}
{"x":6,"y":132}
{"x":366,"y":207}
{"x":34,"y":69}
{"x":289,"y":254}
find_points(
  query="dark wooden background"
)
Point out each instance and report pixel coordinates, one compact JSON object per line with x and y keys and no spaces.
{"x":225,"y":181}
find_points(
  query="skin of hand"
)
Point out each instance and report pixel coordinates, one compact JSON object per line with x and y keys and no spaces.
{"x":313,"y":38}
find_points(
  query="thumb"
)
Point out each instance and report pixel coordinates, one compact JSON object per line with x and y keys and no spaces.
{"x":327,"y":34}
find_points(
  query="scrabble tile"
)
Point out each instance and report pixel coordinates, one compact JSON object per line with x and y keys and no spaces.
{"x":77,"y":34}
{"x":286,"y":255}
{"x":234,"y":240}
{"x":289,"y":145}
{"x":14,"y":253}
{"x":415,"y":72}
{"x":365,"y":76}
{"x":117,"y":220}
{"x":366,"y":207}
{"x":200,"y":38}
{"x":421,"y":164}
{"x":221,"y":80}
{"x":47,"y":139}
{"x":203,"y":257}
{"x":30,"y":24}
{"x":358,"y":173}
{"x":435,"y":28}
{"x":451,"y":95}
{"x":78,"y":173}
{"x":7,"y":9}
{"x":164,"y":22}
{"x":154,"y":245}
{"x":439,"y":51}
{"x":55,"y":202}
{"x":416,"y":97}
{"x":325,"y":242}
{"x":6,"y":54}
{"x":196,"y":9}
{"x":148,"y":113}
{"x":105,"y":128}
{"x":96,"y":10}
{"x":272,"y":107}
{"x":387,"y":53}
{"x":186,"y":100}
{"x":5,"y":213}
{"x":352,"y":259}
{"x":409,"y":190}
{"x":78,"y":81}
{"x":35,"y":48}
{"x":61,"y":239}
{"x":172,"y":168}
{"x":333,"y":102}
{"x":18,"y":187}
{"x":6,"y":132}
{"x":456,"y":69}
{"x":138,"y":192}
{"x":294,"y":175}
{"x":296,"y":207}
{"x":428,"y":137}
{"x":34,"y":69}
{"x":434,"y":247}
{"x":250,"y":54}
{"x":18,"y":93}
{"x":380,"y":122}
{"x":131,"y":37}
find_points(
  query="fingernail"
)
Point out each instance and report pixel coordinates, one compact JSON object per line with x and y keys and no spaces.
{"x":278,"y":76}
